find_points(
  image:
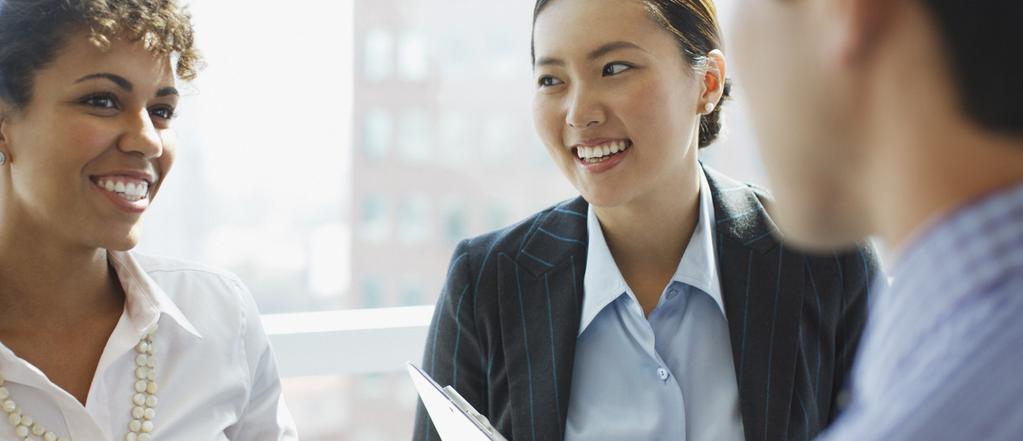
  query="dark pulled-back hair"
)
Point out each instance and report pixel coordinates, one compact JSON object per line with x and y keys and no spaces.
{"x":694,"y":24}
{"x":32,"y":32}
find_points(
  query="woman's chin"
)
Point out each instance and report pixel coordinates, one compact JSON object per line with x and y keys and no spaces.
{"x":601,"y":198}
{"x":123,"y":241}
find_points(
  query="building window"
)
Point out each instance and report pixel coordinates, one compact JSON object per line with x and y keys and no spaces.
{"x":414,"y":222}
{"x":453,"y":215}
{"x":412,"y":292}
{"x":413,"y":57}
{"x":374,"y":225}
{"x":378,"y":55}
{"x":377,"y":134}
{"x":414,"y":138}
{"x":372,"y":292}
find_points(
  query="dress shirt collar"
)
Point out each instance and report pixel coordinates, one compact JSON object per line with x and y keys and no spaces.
{"x":145,"y":301}
{"x":603,"y":282}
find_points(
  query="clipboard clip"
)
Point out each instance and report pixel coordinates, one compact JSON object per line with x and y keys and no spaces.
{"x":481,"y":421}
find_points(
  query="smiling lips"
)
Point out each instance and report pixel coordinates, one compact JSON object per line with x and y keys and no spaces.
{"x":601,"y":152}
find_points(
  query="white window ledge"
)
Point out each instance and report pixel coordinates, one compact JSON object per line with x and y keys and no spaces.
{"x":358,"y":341}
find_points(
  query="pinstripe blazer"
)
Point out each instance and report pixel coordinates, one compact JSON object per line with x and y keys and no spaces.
{"x":505,"y":327}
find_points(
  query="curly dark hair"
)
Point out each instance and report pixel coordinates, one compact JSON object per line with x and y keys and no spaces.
{"x":694,"y":24}
{"x":33,"y":31}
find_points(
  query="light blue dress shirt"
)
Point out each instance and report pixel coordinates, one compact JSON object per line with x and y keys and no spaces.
{"x":942,"y":353}
{"x":669,"y":376}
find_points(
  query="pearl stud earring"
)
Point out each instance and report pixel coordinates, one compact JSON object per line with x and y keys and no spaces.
{"x":709,"y":107}
{"x":3,"y":159}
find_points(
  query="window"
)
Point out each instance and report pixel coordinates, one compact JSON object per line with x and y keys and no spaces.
{"x":414,"y":136}
{"x":415,"y":224}
{"x":375,"y":219}
{"x":454,"y":220}
{"x":379,"y":128}
{"x":378,"y":55}
{"x":333,"y":153}
{"x":412,"y":57}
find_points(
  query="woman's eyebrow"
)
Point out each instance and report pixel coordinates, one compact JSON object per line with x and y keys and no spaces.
{"x":167,"y":91}
{"x":126,"y":85}
{"x":120,"y":81}
{"x":612,"y":47}
{"x":594,"y":54}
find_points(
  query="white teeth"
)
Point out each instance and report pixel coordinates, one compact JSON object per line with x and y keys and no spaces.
{"x":583,"y":152}
{"x":590,"y":153}
{"x":131,"y":191}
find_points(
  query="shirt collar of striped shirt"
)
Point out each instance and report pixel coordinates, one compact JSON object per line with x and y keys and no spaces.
{"x":967,"y":249}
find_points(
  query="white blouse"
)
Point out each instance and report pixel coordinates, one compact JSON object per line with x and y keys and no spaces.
{"x":215,"y":370}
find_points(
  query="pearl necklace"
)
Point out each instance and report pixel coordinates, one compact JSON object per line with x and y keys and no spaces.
{"x":143,"y":401}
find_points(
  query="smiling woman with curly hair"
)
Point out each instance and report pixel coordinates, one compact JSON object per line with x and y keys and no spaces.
{"x":97,"y":342}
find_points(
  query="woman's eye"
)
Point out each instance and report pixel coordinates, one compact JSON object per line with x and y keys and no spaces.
{"x":548,"y":81}
{"x":101,"y":101}
{"x":163,"y":112}
{"x":615,"y":68}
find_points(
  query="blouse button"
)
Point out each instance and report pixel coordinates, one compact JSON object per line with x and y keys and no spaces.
{"x":662,"y":373}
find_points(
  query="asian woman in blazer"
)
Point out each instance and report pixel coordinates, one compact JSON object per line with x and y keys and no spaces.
{"x":660,"y":303}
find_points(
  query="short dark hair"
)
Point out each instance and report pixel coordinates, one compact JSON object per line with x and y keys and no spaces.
{"x":694,"y":24}
{"x":33,"y":31}
{"x":984,"y":39}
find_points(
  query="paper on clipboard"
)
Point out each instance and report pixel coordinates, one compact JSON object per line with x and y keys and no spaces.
{"x":454,"y":418}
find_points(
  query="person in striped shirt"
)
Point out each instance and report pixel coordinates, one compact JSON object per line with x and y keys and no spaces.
{"x":900,"y":119}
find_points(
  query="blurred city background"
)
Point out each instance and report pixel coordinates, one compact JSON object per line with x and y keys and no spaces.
{"x":333,"y":153}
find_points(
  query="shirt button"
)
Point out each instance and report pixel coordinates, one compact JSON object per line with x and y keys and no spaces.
{"x":663,"y":374}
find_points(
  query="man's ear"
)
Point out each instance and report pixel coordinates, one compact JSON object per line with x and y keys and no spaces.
{"x":858,"y":26}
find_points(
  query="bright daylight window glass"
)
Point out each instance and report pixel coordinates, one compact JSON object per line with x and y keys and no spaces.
{"x":333,"y":153}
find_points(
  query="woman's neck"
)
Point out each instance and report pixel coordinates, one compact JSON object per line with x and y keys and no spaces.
{"x":648,"y":236}
{"x":42,"y":277}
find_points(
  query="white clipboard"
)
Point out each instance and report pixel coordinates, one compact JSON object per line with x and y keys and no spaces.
{"x":454,"y":418}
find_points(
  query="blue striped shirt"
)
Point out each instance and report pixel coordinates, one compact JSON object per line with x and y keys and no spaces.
{"x":942,"y":356}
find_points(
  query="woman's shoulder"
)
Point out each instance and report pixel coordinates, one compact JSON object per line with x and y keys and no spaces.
{"x":220,"y":309}
{"x":203,"y":293}
{"x":512,"y":238}
{"x":195,"y":274}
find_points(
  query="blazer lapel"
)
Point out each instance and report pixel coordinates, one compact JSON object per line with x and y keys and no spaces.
{"x":540,"y":294}
{"x":541,"y":291}
{"x":762,"y":284}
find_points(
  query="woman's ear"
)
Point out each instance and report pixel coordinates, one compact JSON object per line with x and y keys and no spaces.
{"x":3,"y":128}
{"x":713,"y":80}
{"x":7,"y":115}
